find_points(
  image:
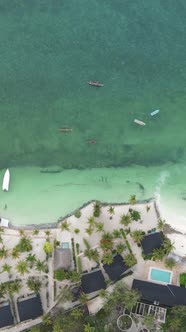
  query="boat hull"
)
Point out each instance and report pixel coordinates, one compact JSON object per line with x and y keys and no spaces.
{"x":141,"y":123}
{"x":154,"y":112}
{"x":95,"y":83}
{"x":6,"y":181}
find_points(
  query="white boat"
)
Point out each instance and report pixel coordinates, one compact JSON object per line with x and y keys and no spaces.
{"x":6,"y":180}
{"x":141,"y":123}
{"x":154,"y":112}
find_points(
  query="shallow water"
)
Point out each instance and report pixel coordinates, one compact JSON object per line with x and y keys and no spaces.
{"x":48,"y":53}
{"x":39,"y":198}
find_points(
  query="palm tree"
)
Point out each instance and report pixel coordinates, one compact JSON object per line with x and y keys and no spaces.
{"x":15,"y":253}
{"x":15,"y":287}
{"x":22,"y":267}
{"x":65,"y":295}
{"x":65,"y":226}
{"x":56,"y":327}
{"x":107,"y":258}
{"x":3,"y":252}
{"x":103,"y":293}
{"x":111,"y":211}
{"x":21,"y":232}
{"x":130,"y":260}
{"x":76,"y":313}
{"x":158,"y":254}
{"x":99,"y":226}
{"x":87,"y":245}
{"x":132,"y":199}
{"x":168,"y":246}
{"x":34,"y":284}
{"x":24,"y":245}
{"x":47,"y":320}
{"x":135,"y":215}
{"x":120,"y":248}
{"x":170,"y":263}
{"x":83,"y":298}
{"x":92,"y":254}
{"x":116,"y":234}
{"x":6,"y":268}
{"x":35,"y":231}
{"x":31,"y":260}
{"x":97,"y":209}
{"x":137,"y":236}
{"x":121,"y":296}
{"x":161,"y":225}
{"x":40,"y":265}
{"x":149,"y":321}
{"x":89,"y":230}
{"x":3,"y":290}
{"x":91,"y":221}
{"x":47,"y":232}
{"x":125,"y":219}
{"x":106,"y":242}
{"x":88,"y":328}
{"x":130,"y":298}
{"x":37,"y":329}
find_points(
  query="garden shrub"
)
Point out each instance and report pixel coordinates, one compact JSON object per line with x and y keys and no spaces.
{"x":77,"y":214}
{"x":182,"y":279}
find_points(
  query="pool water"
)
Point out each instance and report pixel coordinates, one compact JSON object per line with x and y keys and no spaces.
{"x":160,"y":275}
{"x":65,"y":245}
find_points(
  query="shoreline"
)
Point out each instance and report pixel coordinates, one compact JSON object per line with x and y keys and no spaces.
{"x":55,"y":224}
{"x":176,"y":236}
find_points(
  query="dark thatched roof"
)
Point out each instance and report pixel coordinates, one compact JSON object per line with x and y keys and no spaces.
{"x":30,"y":308}
{"x":116,"y":269}
{"x":165,"y":295}
{"x":6,"y":317}
{"x":151,"y":242}
{"x":92,"y":282}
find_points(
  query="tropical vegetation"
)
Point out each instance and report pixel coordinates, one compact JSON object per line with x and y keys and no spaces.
{"x":111,"y":211}
{"x":61,"y":274}
{"x":65,"y":226}
{"x":34,"y":284}
{"x":132,"y":200}
{"x":130,"y":260}
{"x":137,"y":235}
{"x":97,"y":209}
{"x":106,"y":242}
{"x":135,"y":215}
{"x":125,"y":219}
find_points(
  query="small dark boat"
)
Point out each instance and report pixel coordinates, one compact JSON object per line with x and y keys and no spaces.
{"x":95,"y":83}
{"x":65,"y":130}
{"x":92,"y":141}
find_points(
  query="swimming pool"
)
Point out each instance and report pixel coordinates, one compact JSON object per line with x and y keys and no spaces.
{"x":162,"y":276}
{"x":65,"y":245}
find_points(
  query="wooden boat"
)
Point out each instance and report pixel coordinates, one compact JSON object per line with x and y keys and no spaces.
{"x":141,"y":123}
{"x":154,"y":112}
{"x":95,"y":83}
{"x":6,"y":180}
{"x":92,"y":141}
{"x":65,"y":130}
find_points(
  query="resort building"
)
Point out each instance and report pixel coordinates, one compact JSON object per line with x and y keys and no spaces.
{"x":152,"y":241}
{"x":6,"y":317}
{"x":117,"y":268}
{"x":92,"y":282}
{"x":158,"y":294}
{"x":30,"y":307}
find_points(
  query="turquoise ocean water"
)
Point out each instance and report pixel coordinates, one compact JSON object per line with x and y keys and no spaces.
{"x":48,"y":52}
